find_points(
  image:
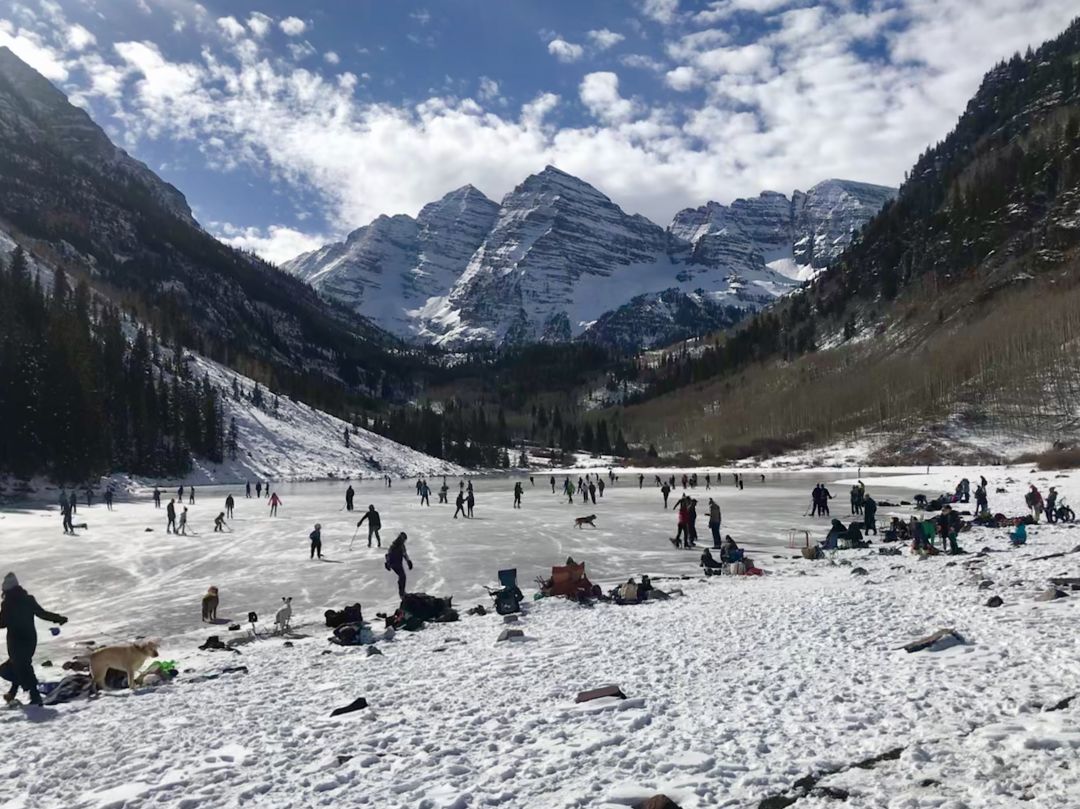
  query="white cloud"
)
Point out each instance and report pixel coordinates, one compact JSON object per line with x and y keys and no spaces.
{"x":746,"y":59}
{"x":31,"y":48}
{"x":259,"y":24}
{"x":663,"y":11}
{"x":231,"y":27}
{"x":301,"y":50}
{"x":332,"y":58}
{"x":292,"y":26}
{"x":641,"y":61}
{"x":489,"y":89}
{"x":423,"y":16}
{"x":681,"y":78}
{"x":277,"y":243}
{"x":600,"y":93}
{"x":78,"y":38}
{"x":604,"y":39}
{"x":565,"y":51}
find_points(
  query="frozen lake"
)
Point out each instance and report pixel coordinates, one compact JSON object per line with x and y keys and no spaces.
{"x":117,"y":579}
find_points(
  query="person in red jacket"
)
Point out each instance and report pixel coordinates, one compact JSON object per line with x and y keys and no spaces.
{"x":275,"y":501}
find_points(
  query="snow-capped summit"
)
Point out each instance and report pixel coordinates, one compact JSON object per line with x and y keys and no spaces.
{"x":559,"y":260}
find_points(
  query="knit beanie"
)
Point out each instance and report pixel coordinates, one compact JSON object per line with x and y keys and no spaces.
{"x":10,"y":582}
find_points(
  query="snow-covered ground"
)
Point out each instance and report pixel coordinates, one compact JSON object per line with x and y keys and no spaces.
{"x":737,"y":689}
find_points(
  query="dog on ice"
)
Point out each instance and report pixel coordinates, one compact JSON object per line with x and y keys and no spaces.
{"x":284,"y":615}
{"x":583,"y":521}
{"x":125,"y":657}
{"x":210,"y":605}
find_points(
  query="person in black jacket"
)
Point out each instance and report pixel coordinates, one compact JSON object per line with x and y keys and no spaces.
{"x":394,"y":557}
{"x":17,"y":612}
{"x":374,"y":525}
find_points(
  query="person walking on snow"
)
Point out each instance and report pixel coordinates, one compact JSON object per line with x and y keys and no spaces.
{"x":394,"y":557}
{"x":869,"y":507}
{"x":316,"y":542}
{"x":1051,"y":505}
{"x":18,"y":609}
{"x":665,"y":490}
{"x":170,"y":516}
{"x":460,"y":503}
{"x":275,"y":501}
{"x":518,"y":491}
{"x":374,"y":525}
{"x":1035,"y":502}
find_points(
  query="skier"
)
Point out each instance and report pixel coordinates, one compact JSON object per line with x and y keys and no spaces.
{"x":470,"y":501}
{"x":316,"y":541}
{"x":109,"y":498}
{"x":229,"y":505}
{"x":183,"y":522}
{"x":219,"y":523}
{"x":275,"y":501}
{"x":258,"y":489}
{"x":374,"y":525}
{"x":170,"y":515}
{"x":394,"y":557}
{"x":247,"y":490}
{"x":592,"y":492}
{"x":665,"y":490}
{"x":191,"y":496}
{"x":349,"y":494}
{"x":553,"y":484}
{"x":517,"y":494}
{"x":17,"y":612}
{"x":157,"y":497}
{"x":460,"y":503}
{"x":714,"y":521}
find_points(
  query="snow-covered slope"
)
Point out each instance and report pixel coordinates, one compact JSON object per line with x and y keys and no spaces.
{"x":293,"y":441}
{"x":391,"y":267}
{"x":558,"y":255}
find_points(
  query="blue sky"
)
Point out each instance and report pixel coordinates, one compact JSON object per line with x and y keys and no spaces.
{"x":287,"y":124}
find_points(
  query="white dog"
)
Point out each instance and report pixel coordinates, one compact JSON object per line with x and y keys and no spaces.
{"x":125,"y":657}
{"x":284,"y":615}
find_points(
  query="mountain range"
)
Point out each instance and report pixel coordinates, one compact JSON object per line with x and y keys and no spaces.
{"x":558,"y":260}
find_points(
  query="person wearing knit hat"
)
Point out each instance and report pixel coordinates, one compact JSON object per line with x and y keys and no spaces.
{"x":18,"y":609}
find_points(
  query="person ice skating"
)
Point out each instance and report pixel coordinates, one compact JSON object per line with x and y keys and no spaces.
{"x":682,"y":530}
{"x":553,"y":484}
{"x":869,"y":507}
{"x":640,"y":480}
{"x":316,"y":542}
{"x":708,"y":481}
{"x":825,"y":497}
{"x":349,"y":495}
{"x":191,"y":496}
{"x":18,"y":609}
{"x":444,"y":490}
{"x":394,"y":557}
{"x":180,"y":494}
{"x":247,"y":490}
{"x":219,"y":523}
{"x":568,"y":490}
{"x":714,"y":521}
{"x":229,"y":505}
{"x":258,"y":489}
{"x":592,"y":492}
{"x":89,"y":496}
{"x":425,"y":494}
{"x":460,"y":503}
{"x":532,"y":480}
{"x":65,"y":509}
{"x":183,"y":522}
{"x":109,"y":498}
{"x":170,"y":516}
{"x":275,"y":501}
{"x":692,"y":523}
{"x":157,"y":497}
{"x":374,"y":525}
{"x":600,"y":486}
{"x":74,"y":503}
{"x":518,"y":491}
{"x":665,"y":490}
{"x":856,"y":500}
{"x":470,"y":501}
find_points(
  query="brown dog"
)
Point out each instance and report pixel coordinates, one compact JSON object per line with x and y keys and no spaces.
{"x":125,"y":657}
{"x":582,"y":521}
{"x":210,"y":605}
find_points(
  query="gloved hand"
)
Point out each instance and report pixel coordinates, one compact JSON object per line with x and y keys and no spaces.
{"x":63,"y":620}
{"x":410,"y":564}
{"x":386,"y":565}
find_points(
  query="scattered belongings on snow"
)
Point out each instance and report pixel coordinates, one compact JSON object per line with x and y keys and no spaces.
{"x":600,"y":693}
{"x":357,"y":704}
{"x":942,"y":639}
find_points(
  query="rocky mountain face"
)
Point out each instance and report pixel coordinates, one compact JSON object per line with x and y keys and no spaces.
{"x":558,"y":260}
{"x":72,"y":198}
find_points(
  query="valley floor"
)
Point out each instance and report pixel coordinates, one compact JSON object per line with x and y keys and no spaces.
{"x":736,"y":688}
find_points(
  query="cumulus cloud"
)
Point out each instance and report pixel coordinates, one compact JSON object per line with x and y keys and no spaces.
{"x":32,"y":48}
{"x":292,"y":26}
{"x":277,"y":243}
{"x":332,"y":58}
{"x":681,"y":78}
{"x":259,"y":24}
{"x":642,"y":61}
{"x":604,"y":39}
{"x":565,"y":51}
{"x":231,"y":27}
{"x":600,"y":93}
{"x":663,"y":11}
{"x":78,"y":38}
{"x":489,"y":89}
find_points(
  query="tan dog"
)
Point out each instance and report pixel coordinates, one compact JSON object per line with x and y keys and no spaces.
{"x":582,"y":521}
{"x":210,"y":605}
{"x":125,"y":657}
